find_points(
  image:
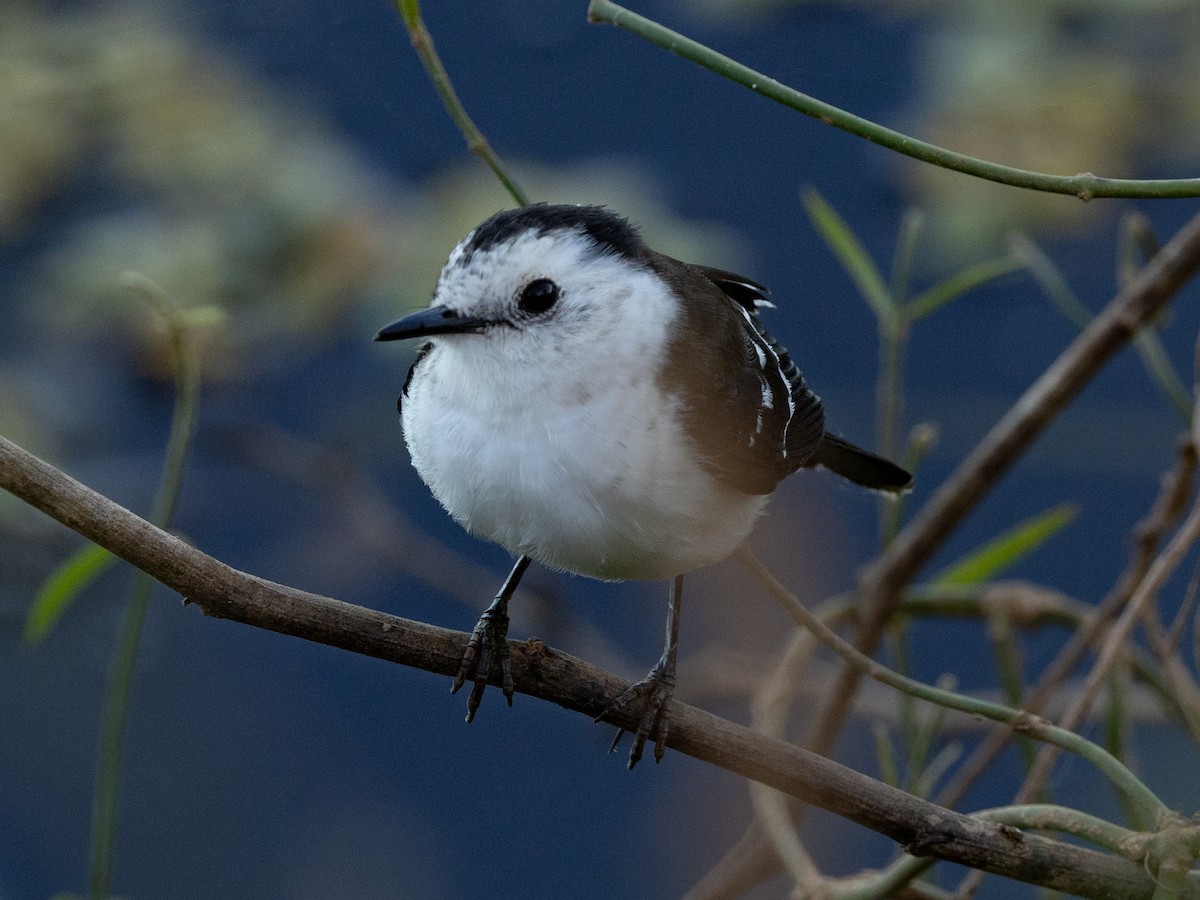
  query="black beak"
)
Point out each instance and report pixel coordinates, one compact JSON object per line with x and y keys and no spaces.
{"x":427,"y":322}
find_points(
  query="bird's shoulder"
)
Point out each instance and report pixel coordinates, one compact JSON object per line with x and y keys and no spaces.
{"x":744,"y":402}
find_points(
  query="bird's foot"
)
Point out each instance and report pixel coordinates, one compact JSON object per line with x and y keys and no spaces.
{"x":651,"y":696}
{"x":488,"y":642}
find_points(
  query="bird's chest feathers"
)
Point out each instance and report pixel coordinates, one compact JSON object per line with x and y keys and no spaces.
{"x":537,"y":441}
{"x":589,"y":472}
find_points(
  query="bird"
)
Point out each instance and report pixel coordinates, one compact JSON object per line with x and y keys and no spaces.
{"x":604,"y":409}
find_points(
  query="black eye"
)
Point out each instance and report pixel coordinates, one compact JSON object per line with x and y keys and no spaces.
{"x":538,"y":296}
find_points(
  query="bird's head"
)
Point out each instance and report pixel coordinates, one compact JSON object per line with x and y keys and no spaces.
{"x":542,"y":281}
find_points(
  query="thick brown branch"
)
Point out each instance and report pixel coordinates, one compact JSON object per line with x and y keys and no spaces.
{"x":221,"y":591}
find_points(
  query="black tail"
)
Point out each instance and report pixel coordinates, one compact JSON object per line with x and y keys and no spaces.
{"x":859,"y":465}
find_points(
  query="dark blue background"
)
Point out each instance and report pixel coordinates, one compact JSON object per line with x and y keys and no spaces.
{"x":260,"y":766}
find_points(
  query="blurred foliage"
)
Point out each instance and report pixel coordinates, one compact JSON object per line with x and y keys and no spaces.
{"x":1058,"y":86}
{"x":65,"y":583}
{"x":1007,"y":549}
{"x":227,"y":192}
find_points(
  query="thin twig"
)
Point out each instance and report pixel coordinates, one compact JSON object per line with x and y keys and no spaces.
{"x":921,"y":827}
{"x":1120,"y":776}
{"x":769,"y":710}
{"x":1085,"y":186}
{"x":1167,"y":507}
{"x":422,"y":41}
{"x":1115,"y":642}
{"x":882,"y":582}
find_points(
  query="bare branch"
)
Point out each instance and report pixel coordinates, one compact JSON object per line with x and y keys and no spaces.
{"x":1168,"y":506}
{"x":921,"y":827}
{"x":882,"y":582}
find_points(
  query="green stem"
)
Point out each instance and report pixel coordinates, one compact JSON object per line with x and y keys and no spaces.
{"x":889,"y":400}
{"x":1008,"y":665}
{"x":885,"y":883}
{"x":120,"y":681}
{"x":1024,"y":723}
{"x":422,"y":41}
{"x":1048,"y":817}
{"x":1085,"y":186}
{"x":893,"y":340}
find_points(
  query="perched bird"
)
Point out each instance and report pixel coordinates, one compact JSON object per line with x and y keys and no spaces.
{"x":598,"y":407}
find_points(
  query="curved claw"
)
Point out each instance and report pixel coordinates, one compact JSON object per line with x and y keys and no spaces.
{"x":489,"y":639}
{"x":653,"y":693}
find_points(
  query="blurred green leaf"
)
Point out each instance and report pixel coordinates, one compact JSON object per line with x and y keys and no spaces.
{"x":1136,"y":246}
{"x":1146,"y":341}
{"x":851,"y":254}
{"x":1155,"y":359}
{"x":1008,"y":654}
{"x":927,"y":780}
{"x":76,"y":572}
{"x":1007,"y":548}
{"x":911,"y":227}
{"x":206,"y":316}
{"x":955,"y":286}
{"x":1047,"y":274}
{"x":889,"y":773}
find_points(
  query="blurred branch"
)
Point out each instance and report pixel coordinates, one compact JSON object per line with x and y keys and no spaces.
{"x":921,"y":827}
{"x":1116,"y":640}
{"x":1168,"y":506}
{"x":881,"y":584}
{"x":422,"y":41}
{"x":1019,"y":721}
{"x":1085,"y":186}
{"x":1149,"y":346}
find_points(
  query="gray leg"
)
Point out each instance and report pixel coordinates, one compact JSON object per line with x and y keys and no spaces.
{"x":654,"y":691}
{"x":490,"y":638}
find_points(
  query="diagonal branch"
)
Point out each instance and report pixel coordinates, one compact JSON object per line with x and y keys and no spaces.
{"x":921,"y":827}
{"x":882,"y":582}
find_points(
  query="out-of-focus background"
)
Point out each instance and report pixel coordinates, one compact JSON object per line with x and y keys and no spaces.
{"x":290,"y":163}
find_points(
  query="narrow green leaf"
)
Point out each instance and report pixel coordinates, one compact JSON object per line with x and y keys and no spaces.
{"x":76,"y":572}
{"x":943,"y":760}
{"x":851,"y":254}
{"x":889,"y":773}
{"x":410,"y":11}
{"x":1146,"y":341}
{"x":1054,"y":285}
{"x":206,"y":316}
{"x":1136,"y":246}
{"x":1154,"y":358}
{"x":928,"y":729}
{"x":1115,"y":720}
{"x":1006,"y":549}
{"x":1008,"y":655}
{"x":911,"y":227}
{"x":956,"y":285}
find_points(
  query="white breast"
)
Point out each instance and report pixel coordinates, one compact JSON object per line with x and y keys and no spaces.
{"x":584,"y":469}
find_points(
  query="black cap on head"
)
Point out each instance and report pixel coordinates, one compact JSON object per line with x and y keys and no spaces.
{"x":609,"y":231}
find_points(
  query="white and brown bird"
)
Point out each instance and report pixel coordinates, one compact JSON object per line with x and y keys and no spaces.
{"x":601,"y":408}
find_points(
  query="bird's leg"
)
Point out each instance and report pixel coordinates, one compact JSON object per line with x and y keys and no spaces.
{"x":654,"y":691}
{"x":489,"y":639}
